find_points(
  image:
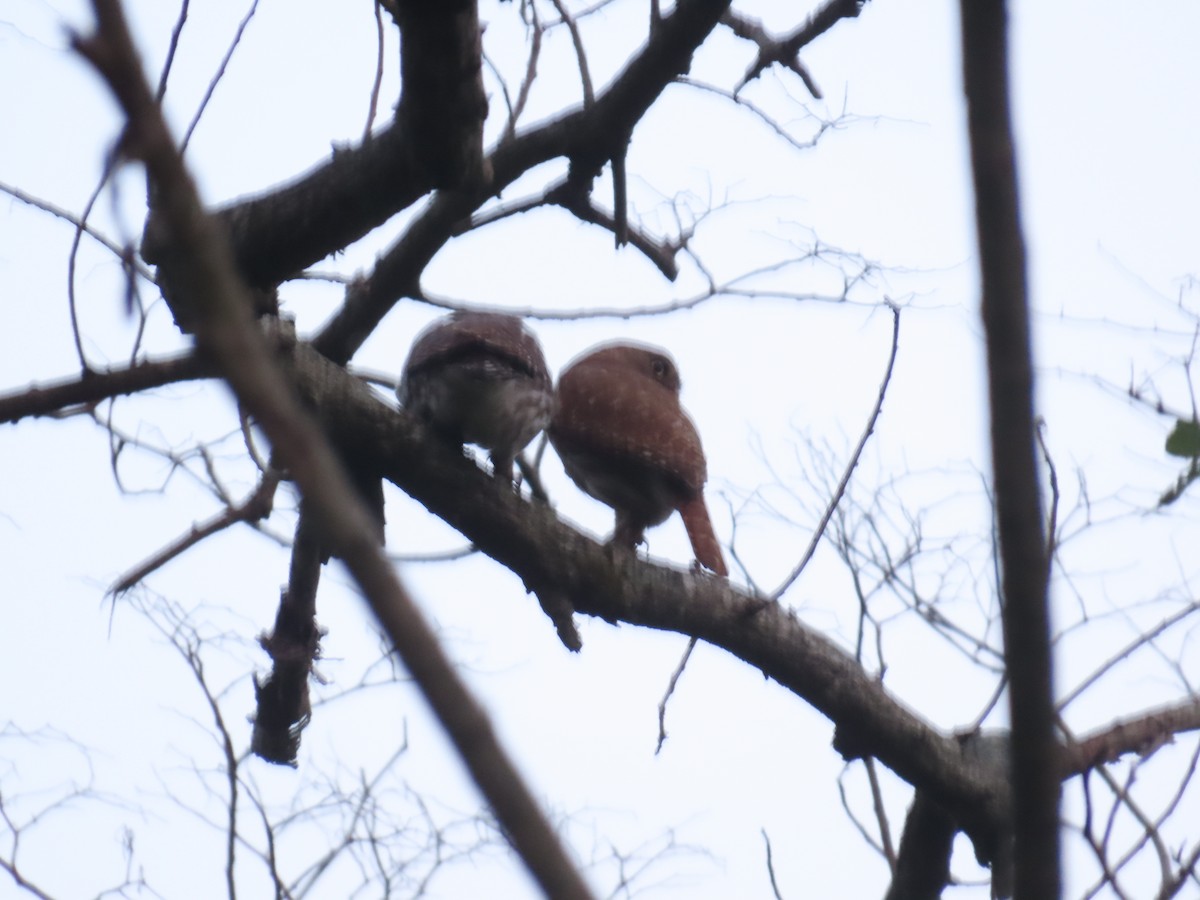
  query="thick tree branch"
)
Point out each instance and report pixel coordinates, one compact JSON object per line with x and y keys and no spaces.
{"x":397,"y":274}
{"x":1141,"y":734}
{"x":955,"y":774}
{"x":94,"y":386}
{"x":277,"y":234}
{"x":220,"y":307}
{"x":923,"y":864}
{"x":588,"y":136}
{"x":442,"y":102}
{"x":1018,"y":503}
{"x":294,"y":645}
{"x":551,"y":557}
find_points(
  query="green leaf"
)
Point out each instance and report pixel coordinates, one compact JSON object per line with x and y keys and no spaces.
{"x":1184,"y":441}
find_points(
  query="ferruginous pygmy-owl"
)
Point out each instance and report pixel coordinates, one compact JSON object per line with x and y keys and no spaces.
{"x":479,"y":378}
{"x":625,"y":440}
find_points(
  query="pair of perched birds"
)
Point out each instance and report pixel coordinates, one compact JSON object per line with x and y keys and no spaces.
{"x":615,"y":418}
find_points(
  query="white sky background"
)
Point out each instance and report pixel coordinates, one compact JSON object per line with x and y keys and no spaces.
{"x":1109,"y":138}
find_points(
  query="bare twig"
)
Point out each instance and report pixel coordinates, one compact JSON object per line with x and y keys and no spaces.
{"x":172,"y":49}
{"x":857,"y":822}
{"x":1123,"y":654}
{"x":22,"y":882}
{"x":579,"y":203}
{"x":79,"y":224}
{"x":840,"y":490}
{"x":885,"y":831}
{"x":531,"y":68}
{"x":823,"y":126}
{"x":662,"y":704}
{"x":73,"y":261}
{"x":255,"y":508}
{"x":377,"y":84}
{"x":585,"y":77}
{"x":218,"y":75}
{"x":1186,"y":873}
{"x":1055,"y":497}
{"x":770,"y":50}
{"x":783,"y":50}
{"x":771,"y":866}
{"x":187,"y":642}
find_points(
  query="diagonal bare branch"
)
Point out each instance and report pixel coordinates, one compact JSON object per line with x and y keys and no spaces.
{"x":222,"y":311}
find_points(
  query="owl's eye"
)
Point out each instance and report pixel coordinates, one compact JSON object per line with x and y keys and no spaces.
{"x":659,"y":366}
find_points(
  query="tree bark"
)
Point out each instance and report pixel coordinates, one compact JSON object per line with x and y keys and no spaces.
{"x":1023,"y":557}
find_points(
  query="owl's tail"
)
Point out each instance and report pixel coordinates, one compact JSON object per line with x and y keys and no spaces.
{"x":700,"y":532}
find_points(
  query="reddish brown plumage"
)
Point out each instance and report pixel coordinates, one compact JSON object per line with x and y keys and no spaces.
{"x":625,"y":440}
{"x":479,"y":378}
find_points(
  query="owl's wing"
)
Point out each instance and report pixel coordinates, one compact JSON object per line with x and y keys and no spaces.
{"x":619,"y":413}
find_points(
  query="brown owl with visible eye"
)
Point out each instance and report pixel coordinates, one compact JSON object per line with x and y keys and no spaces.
{"x":625,"y":440}
{"x":479,"y":378}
